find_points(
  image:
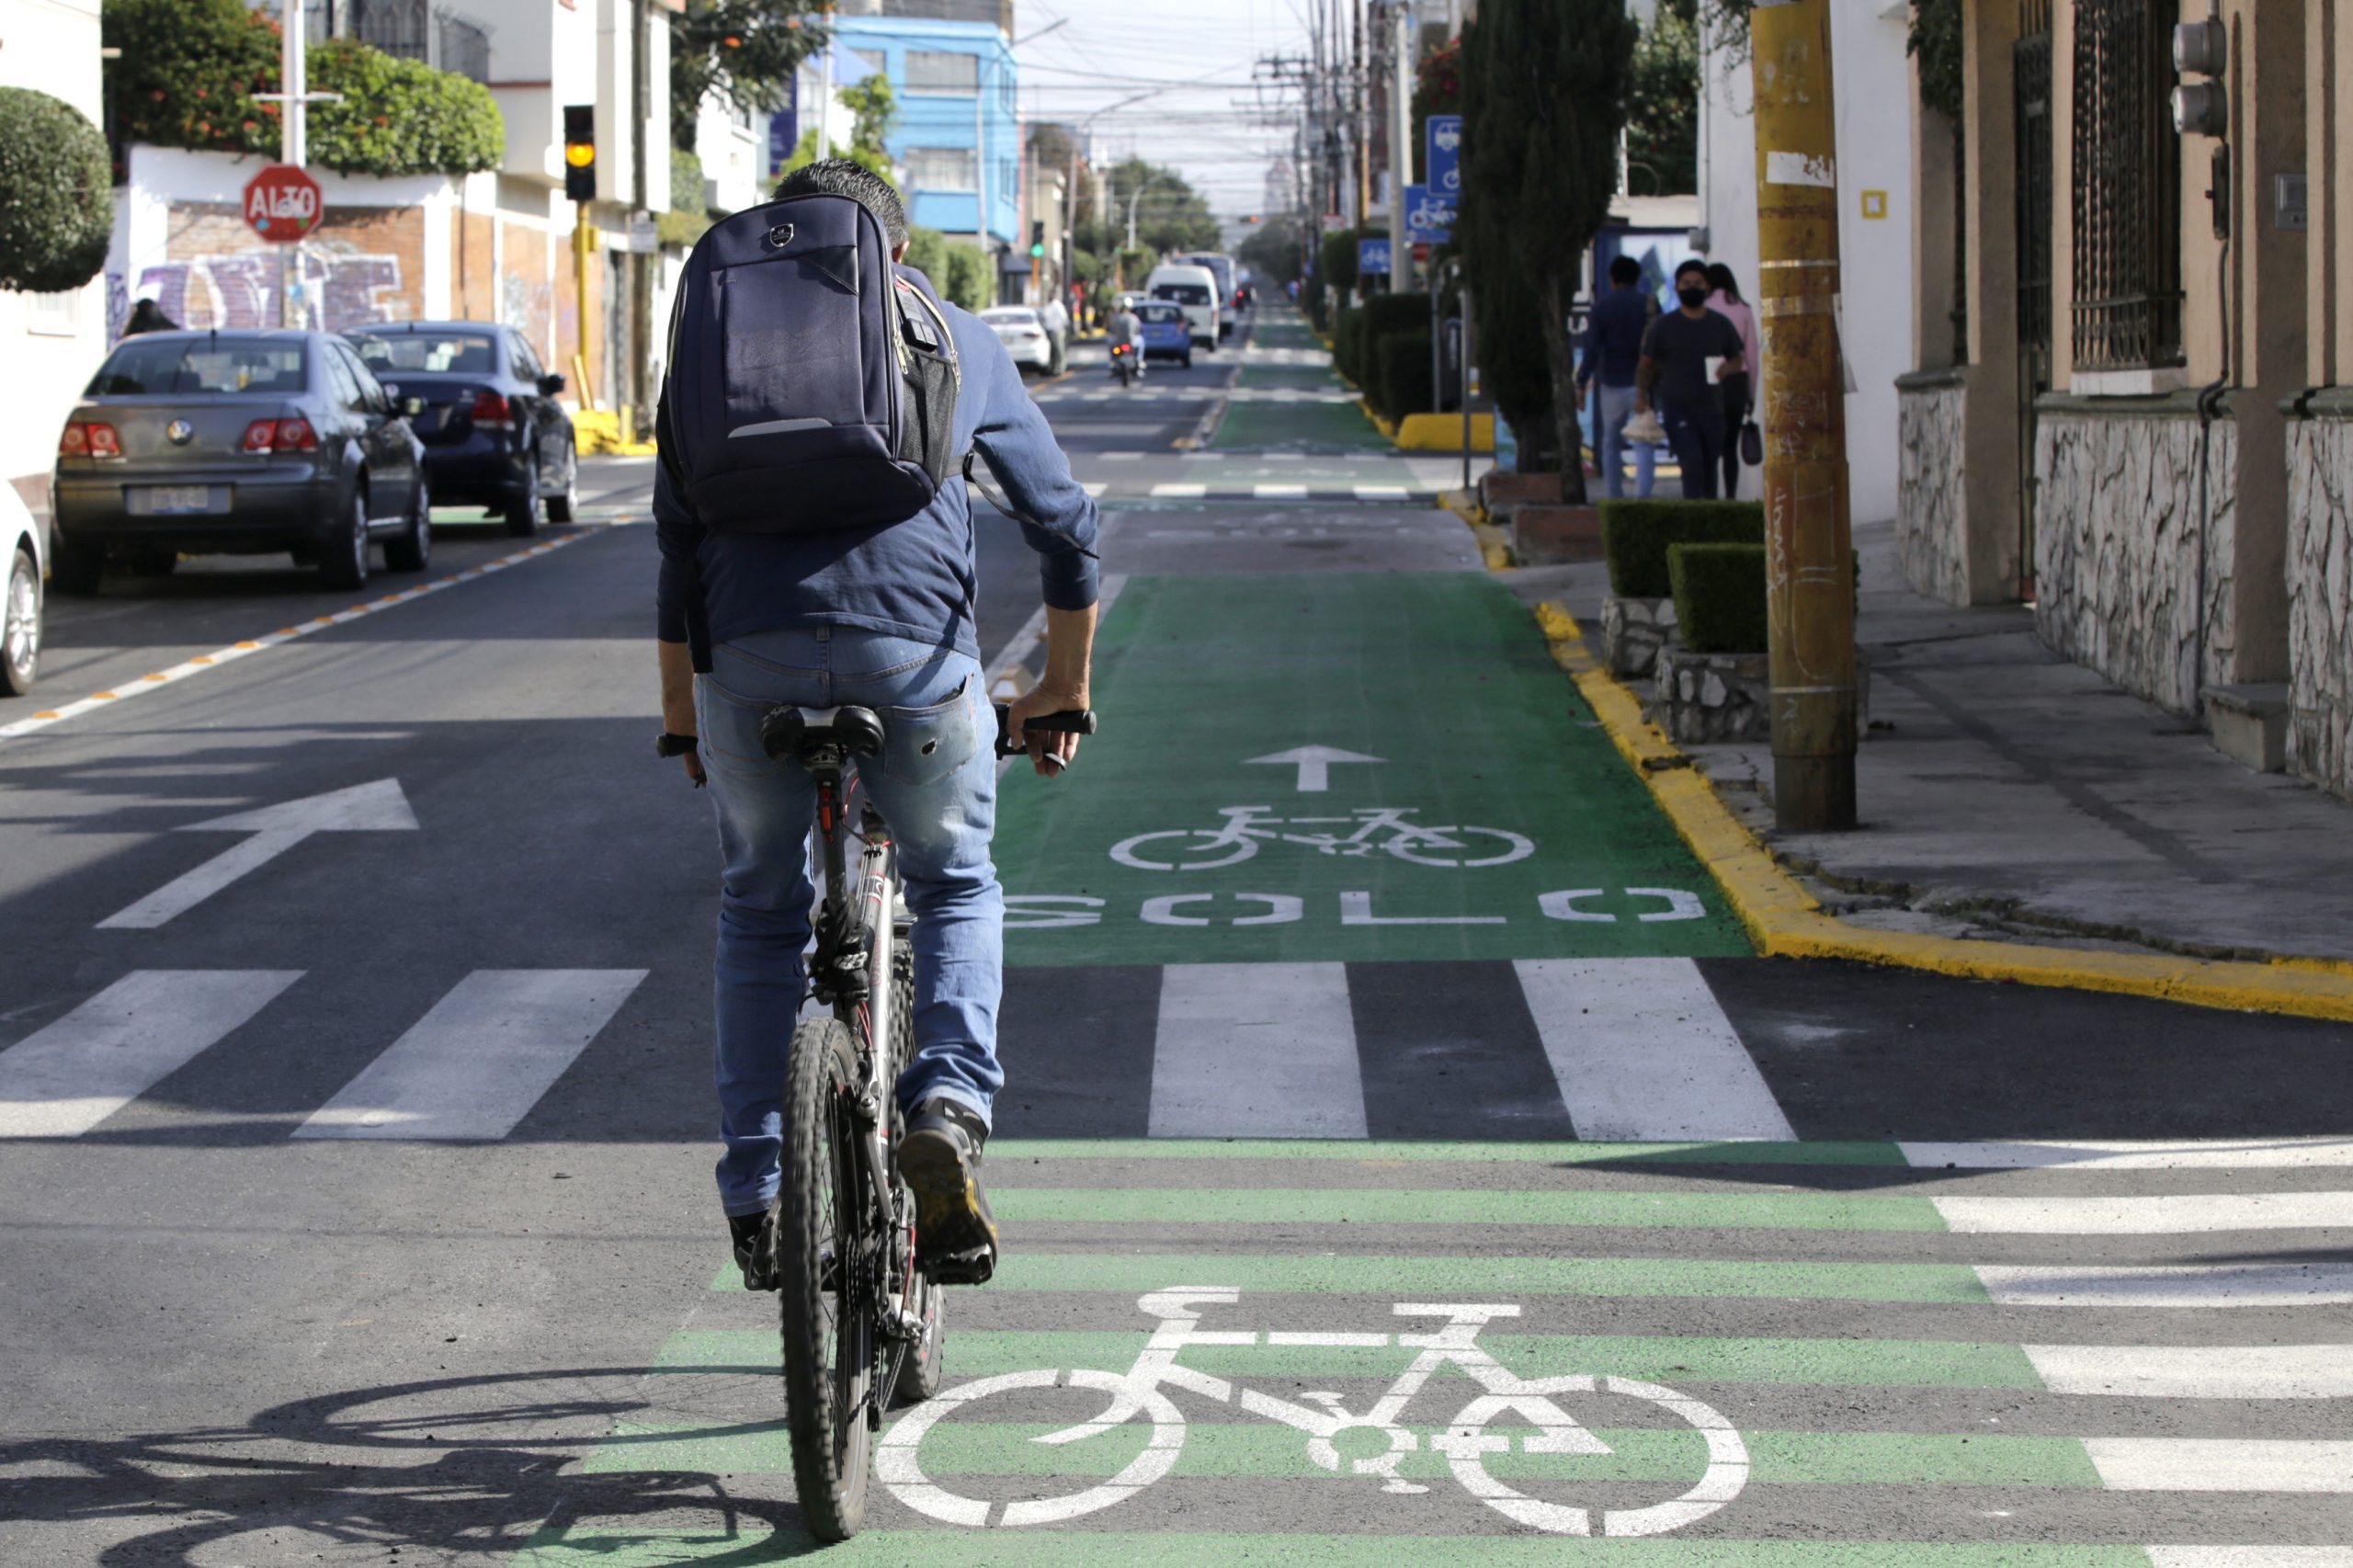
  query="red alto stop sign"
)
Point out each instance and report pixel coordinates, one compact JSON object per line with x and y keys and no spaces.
{"x":282,"y":203}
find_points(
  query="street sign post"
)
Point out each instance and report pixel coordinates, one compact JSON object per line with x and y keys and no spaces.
{"x":1372,"y":256}
{"x":1443,"y":154}
{"x":1430,"y":215}
{"x":283,"y":204}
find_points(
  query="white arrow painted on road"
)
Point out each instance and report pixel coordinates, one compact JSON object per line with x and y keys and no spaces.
{"x":379,"y":807}
{"x":1314,"y":765}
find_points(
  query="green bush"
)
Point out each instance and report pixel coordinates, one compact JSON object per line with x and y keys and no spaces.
{"x":958,"y":271}
{"x":1402,"y":374}
{"x":1336,"y":261}
{"x":400,"y":116}
{"x":1347,"y":339}
{"x":1719,"y":596}
{"x":56,"y":194}
{"x":1381,"y":317}
{"x":1636,"y":536}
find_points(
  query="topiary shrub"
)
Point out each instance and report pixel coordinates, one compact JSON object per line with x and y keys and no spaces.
{"x":56,"y":194}
{"x":1719,"y":596}
{"x":1347,"y":340}
{"x":1385,"y":315}
{"x":1402,"y":374}
{"x":400,"y":116}
{"x":1636,"y":536}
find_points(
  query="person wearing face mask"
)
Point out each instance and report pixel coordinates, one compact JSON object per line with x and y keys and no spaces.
{"x":1685,"y":354}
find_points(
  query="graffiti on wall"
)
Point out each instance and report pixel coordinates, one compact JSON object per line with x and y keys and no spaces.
{"x":528,"y":305}
{"x":334,"y":290}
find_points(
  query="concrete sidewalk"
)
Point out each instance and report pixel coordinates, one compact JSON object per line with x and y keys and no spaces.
{"x":2012,"y":795}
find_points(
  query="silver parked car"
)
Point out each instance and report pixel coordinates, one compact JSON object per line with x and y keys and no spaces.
{"x":21,"y":553}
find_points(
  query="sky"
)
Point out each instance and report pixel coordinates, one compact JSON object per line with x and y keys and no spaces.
{"x":1216,"y":132}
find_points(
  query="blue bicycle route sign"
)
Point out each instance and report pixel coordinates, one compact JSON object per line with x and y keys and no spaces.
{"x":1372,"y":256}
{"x":1430,"y":215}
{"x":1444,"y":154}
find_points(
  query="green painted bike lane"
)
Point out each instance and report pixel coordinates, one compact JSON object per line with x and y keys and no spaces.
{"x":1444,"y":794}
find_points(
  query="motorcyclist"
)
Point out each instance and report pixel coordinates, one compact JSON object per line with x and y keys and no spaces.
{"x":1125,"y":328}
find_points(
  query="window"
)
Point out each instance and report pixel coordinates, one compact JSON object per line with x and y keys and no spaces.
{"x":55,"y":315}
{"x":344,"y":383}
{"x":940,"y":71}
{"x":941,"y":168}
{"x":526,"y":362}
{"x":199,"y":367}
{"x":2127,"y":187}
{"x":428,"y":353}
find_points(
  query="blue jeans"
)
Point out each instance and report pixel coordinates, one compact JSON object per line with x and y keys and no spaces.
{"x":934,"y":784}
{"x":1617,"y":406}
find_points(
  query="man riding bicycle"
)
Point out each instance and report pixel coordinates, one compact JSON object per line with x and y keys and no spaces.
{"x":882,"y":618}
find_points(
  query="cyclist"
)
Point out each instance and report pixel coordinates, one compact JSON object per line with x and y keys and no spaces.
{"x":880,"y":617}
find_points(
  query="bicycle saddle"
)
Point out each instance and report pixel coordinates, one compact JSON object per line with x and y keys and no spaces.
{"x":818,"y":735}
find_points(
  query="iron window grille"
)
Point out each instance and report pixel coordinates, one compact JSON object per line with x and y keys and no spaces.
{"x":2127,"y":187}
{"x":942,"y":71}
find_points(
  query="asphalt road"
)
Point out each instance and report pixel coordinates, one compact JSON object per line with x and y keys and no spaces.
{"x":355,"y":1124}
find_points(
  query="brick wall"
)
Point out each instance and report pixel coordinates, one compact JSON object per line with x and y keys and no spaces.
{"x":361,"y":265}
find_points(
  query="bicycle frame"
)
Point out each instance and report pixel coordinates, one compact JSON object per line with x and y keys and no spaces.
{"x":857,"y":938}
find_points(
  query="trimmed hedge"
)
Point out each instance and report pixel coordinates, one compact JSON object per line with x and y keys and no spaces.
{"x":1636,"y":536}
{"x":1347,"y":341}
{"x":1719,"y":596}
{"x":1400,"y":382}
{"x":56,"y":194}
{"x":1387,"y":316}
{"x":400,"y":116}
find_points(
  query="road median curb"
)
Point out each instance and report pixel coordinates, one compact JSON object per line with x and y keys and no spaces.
{"x":1786,"y":921}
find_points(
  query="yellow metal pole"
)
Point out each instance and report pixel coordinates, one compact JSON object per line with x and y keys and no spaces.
{"x":584,"y":246}
{"x":1809,"y":552}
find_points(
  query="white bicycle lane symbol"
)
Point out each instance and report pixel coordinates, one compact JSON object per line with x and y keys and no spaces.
{"x":1142,"y":1391}
{"x":1385,"y":828}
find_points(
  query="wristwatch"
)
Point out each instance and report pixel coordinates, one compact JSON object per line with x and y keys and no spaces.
{"x":668,"y":745}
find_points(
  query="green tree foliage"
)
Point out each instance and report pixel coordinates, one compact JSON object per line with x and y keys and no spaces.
{"x":876,"y":108}
{"x":746,"y":51}
{"x":1170,"y":215}
{"x":56,"y":194}
{"x":1437,"y":89}
{"x":400,"y":116}
{"x":1336,"y":261}
{"x":1663,"y":109}
{"x":1544,"y":94}
{"x":1272,"y":250}
{"x":957,"y":269}
{"x":189,"y":70}
{"x":1085,"y":266}
{"x":1936,"y":43}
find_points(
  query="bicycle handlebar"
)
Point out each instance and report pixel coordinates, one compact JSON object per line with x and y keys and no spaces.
{"x":1070,"y":721}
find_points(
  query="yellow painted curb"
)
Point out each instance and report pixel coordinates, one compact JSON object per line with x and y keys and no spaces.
{"x":1785,"y":921}
{"x":1443,"y":433}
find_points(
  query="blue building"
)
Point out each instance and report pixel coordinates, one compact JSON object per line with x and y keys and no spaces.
{"x":958,"y":136}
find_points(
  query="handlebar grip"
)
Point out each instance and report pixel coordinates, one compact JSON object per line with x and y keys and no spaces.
{"x":1070,"y":721}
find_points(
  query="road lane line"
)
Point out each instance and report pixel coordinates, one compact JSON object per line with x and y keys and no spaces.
{"x":2139,"y":1154}
{"x":1380,"y":493}
{"x":2222,"y":1464}
{"x":64,"y":1080}
{"x":2251,"y":1557}
{"x":1688,"y":1076}
{"x":1278,"y":491}
{"x":2168,"y":1285}
{"x":2197,"y":1371}
{"x":2148,"y":1216}
{"x":1178,"y":491}
{"x":479,"y":1060}
{"x":1256,"y":1050}
{"x":250,"y":646}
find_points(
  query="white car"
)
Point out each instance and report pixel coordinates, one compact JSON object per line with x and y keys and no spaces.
{"x":1023,"y":332}
{"x":22,"y":553}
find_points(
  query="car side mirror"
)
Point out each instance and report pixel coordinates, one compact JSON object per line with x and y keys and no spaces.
{"x":550,"y":385}
{"x":411,"y":407}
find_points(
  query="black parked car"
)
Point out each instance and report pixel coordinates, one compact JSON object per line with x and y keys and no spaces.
{"x":495,"y":435}
{"x":237,"y":442}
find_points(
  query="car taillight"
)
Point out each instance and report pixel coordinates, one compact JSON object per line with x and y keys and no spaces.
{"x":89,"y":438}
{"x":490,"y":411}
{"x":282,"y":436}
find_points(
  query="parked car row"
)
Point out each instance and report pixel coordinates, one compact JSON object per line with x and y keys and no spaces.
{"x":323,"y":446}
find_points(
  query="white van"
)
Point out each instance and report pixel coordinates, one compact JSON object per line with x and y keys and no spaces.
{"x":1229,"y":310}
{"x":1194,"y":288}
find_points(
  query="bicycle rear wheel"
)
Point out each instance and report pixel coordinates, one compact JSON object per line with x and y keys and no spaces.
{"x":828,"y":1259}
{"x":920,"y":1366}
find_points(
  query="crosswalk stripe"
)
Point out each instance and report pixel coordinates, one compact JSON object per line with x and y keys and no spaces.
{"x":2169,"y":1285}
{"x":1179,"y":492}
{"x":1381,"y":492}
{"x":1256,"y":1050}
{"x":2222,"y":1464}
{"x":1644,"y":1052}
{"x":479,"y":1060}
{"x":64,"y":1079}
{"x":2197,"y":1371}
{"x":1278,"y":491}
{"x":2173,"y":1214}
{"x":2139,"y":1154}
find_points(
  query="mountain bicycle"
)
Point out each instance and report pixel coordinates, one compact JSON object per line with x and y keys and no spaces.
{"x":862,"y":1323}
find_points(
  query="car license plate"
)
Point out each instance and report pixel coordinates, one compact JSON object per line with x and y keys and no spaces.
{"x":163,"y":500}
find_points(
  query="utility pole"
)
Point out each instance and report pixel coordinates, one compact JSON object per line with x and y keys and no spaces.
{"x":641,"y":266}
{"x":1361,"y":81}
{"x":1809,"y":553}
{"x":1401,"y":136}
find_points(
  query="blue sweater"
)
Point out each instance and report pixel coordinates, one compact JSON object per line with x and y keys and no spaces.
{"x":1613,"y":337}
{"x":914,"y":579}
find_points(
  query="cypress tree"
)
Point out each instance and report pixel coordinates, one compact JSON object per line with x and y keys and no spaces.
{"x":1544,"y":90}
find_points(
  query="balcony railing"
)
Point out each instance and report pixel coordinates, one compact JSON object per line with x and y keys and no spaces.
{"x":415,"y":29}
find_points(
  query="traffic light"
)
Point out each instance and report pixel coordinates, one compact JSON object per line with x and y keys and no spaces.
{"x":580,"y":151}
{"x":1252,"y":219}
{"x":1037,"y":238}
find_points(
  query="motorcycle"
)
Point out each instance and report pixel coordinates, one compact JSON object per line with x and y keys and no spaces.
{"x":1126,"y":363}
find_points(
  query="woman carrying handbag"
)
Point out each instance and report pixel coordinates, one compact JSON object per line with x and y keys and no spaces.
{"x":1740,"y":389}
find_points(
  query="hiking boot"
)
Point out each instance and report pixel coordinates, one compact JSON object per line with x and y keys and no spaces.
{"x":940,"y":1157}
{"x":755,"y":1239}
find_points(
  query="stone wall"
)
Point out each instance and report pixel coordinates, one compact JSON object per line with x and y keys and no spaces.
{"x":2116,"y":548}
{"x":1932,"y":480}
{"x":2320,"y":601}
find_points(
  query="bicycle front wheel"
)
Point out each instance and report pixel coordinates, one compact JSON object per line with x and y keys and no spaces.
{"x":828,"y":1254}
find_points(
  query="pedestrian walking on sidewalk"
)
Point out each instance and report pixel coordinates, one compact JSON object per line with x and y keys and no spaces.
{"x":1740,"y":391}
{"x":1687,"y":355}
{"x":1613,"y":353}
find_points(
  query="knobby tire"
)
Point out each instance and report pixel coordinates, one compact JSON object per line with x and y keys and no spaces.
{"x":828,"y":1323}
